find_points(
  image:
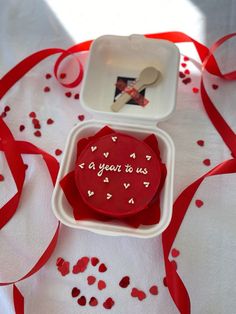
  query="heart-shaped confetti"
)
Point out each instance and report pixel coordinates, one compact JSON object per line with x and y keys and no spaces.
{"x":82,"y":165}
{"x":148,"y":157}
{"x":101,"y":285}
{"x":146,"y":184}
{"x":91,"y":280}
{"x":102,"y":268}
{"x":81,"y":117}
{"x":90,"y":193}
{"x":94,"y":261}
{"x":136,"y":293}
{"x":109,"y":196}
{"x":64,"y":268}
{"x":133,"y":155}
{"x":175,"y":252}
{"x":93,"y":148}
{"x":131,"y":201}
{"x":114,"y":138}
{"x":109,"y":303}
{"x":93,"y":301}
{"x":199,"y":203}
{"x":106,"y":180}
{"x":200,"y":142}
{"x":82,"y":301}
{"x":75,"y":292}
{"x":207,"y":162}
{"x":125,"y":281}
{"x":81,"y":265}
{"x":154,"y":290}
{"x":106,"y":154}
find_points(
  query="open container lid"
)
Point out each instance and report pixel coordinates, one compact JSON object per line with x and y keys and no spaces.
{"x":113,"y":57}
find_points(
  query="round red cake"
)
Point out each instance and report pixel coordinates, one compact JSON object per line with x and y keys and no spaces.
{"x":117,"y":175}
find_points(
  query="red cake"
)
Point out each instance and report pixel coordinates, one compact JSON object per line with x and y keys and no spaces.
{"x":117,"y":175}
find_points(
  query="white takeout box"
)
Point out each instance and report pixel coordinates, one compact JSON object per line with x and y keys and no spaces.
{"x":110,"y":57}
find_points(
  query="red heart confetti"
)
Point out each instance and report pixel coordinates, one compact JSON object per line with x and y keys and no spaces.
{"x":81,"y":117}
{"x":175,"y":252}
{"x":101,"y":285}
{"x":186,"y":58}
{"x":50,"y":121}
{"x":181,"y":75}
{"x":48,"y":76}
{"x":75,"y":292}
{"x":60,"y":261}
{"x":136,"y":293}
{"x":64,"y":269}
{"x":94,"y":261}
{"x":108,"y":304}
{"x":32,"y":114}
{"x":82,"y":301}
{"x":26,"y":166}
{"x":81,"y":265}
{"x":58,"y":152}
{"x":37,"y":133}
{"x":21,"y":127}
{"x":215,"y":86}
{"x":7,"y":108}
{"x":102,"y":268}
{"x":1,"y":178}
{"x":200,"y":142}
{"x":68,"y":94}
{"x":199,"y":203}
{"x":187,"y":72}
{"x":93,"y":301}
{"x":207,"y":162}
{"x":125,"y":281}
{"x":76,"y":96}
{"x":91,"y":280}
{"x":62,"y":76}
{"x":154,"y":290}
{"x":183,"y":65}
{"x":187,"y":80}
{"x":46,"y":89}
{"x":195,"y":90}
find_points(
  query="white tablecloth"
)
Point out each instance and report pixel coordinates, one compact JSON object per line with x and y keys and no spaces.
{"x":206,"y":241}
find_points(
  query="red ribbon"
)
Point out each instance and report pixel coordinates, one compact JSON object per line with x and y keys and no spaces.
{"x":13,"y":150}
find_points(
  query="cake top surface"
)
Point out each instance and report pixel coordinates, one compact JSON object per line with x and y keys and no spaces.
{"x":117,"y":174}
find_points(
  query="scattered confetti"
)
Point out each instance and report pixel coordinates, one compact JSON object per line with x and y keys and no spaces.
{"x":207,"y":162}
{"x":187,"y":80}
{"x":181,"y":75}
{"x":50,"y":121}
{"x":91,"y":280}
{"x":93,"y":301}
{"x":136,"y":293}
{"x":125,"y":281}
{"x":3,"y":115}
{"x":200,"y":142}
{"x":186,"y":58}
{"x":46,"y":89}
{"x":82,"y":301}
{"x":183,"y":65}
{"x":108,"y":304}
{"x":32,"y":114}
{"x":21,"y":127}
{"x":81,"y":117}
{"x":215,"y":86}
{"x":1,"y":178}
{"x":175,"y":264}
{"x":64,"y":268}
{"x":154,"y":290}
{"x":165,"y":282}
{"x":195,"y":90}
{"x":175,"y":252}
{"x":75,"y":292}
{"x":81,"y":265}
{"x":48,"y":76}
{"x":68,"y":94}
{"x":58,"y":152}
{"x":37,"y":133}
{"x":102,"y":268}
{"x":187,"y":72}
{"x":199,"y":203}
{"x":101,"y":285}
{"x":7,"y":108}
{"x":76,"y":96}
{"x":94,"y":261}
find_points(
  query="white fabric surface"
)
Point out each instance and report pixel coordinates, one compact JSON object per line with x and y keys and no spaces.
{"x":206,"y":240}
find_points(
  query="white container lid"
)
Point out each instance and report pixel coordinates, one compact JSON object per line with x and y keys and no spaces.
{"x":111,"y":57}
